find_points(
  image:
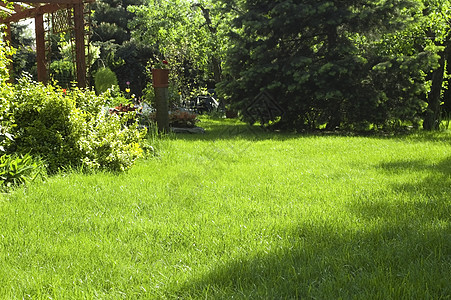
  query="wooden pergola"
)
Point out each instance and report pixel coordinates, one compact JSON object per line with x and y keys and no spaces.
{"x":36,"y":9}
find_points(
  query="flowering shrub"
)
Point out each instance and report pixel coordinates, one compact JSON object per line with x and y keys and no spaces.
{"x":109,"y":144}
{"x":70,"y":129}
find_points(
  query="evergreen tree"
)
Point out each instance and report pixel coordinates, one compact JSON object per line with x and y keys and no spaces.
{"x":127,"y":57}
{"x":326,"y":62}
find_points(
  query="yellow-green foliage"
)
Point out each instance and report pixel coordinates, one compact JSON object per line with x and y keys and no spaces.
{"x":5,"y":52}
{"x":110,"y":144}
{"x":104,"y":79}
{"x":69,"y":129}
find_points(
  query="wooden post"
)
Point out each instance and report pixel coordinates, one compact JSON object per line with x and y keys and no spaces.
{"x":80,"y":57}
{"x":8,"y":33}
{"x":160,"y":83}
{"x":40,"y":48}
{"x":162,"y":106}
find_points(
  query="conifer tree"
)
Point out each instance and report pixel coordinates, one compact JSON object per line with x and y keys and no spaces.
{"x":334,"y":63}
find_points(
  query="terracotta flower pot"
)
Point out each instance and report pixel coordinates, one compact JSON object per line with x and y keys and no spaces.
{"x":160,"y":78}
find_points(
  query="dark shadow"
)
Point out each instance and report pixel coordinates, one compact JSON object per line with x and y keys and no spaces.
{"x":230,"y":129}
{"x":436,"y":186}
{"x":320,"y":263}
{"x":404,"y":253}
{"x":431,"y":136}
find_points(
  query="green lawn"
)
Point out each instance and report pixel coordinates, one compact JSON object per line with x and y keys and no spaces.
{"x":240,"y":213}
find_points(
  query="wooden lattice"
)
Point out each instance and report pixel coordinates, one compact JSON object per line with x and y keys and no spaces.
{"x":62,"y":21}
{"x":67,"y":15}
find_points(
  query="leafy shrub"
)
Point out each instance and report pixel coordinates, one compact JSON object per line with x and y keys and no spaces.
{"x":63,"y":72}
{"x":87,"y":101}
{"x":5,"y":52}
{"x":70,"y":129}
{"x":110,"y":144}
{"x":104,"y":79}
{"x":5,"y":137}
{"x":45,"y":124}
{"x":16,"y":170}
{"x":5,"y":124}
{"x":114,"y":97}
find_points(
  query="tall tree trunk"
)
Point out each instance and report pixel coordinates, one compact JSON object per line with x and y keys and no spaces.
{"x":432,"y":117}
{"x":217,"y":72}
{"x":447,"y":94}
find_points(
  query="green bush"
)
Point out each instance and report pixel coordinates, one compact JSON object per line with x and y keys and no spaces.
{"x":114,"y":97}
{"x":62,"y":71}
{"x":110,"y":144}
{"x":104,"y":79}
{"x":5,"y":52}
{"x":69,"y":129}
{"x":87,"y":101}
{"x":5,"y":138}
{"x":45,"y":124}
{"x":5,"y":123}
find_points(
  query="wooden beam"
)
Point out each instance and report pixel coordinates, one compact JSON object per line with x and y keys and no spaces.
{"x":33,"y":12}
{"x":40,"y":48}
{"x":6,"y":10}
{"x":52,"y":1}
{"x":17,"y":7}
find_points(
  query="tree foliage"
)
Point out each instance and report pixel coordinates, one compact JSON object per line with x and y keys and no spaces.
{"x":127,"y":57}
{"x":436,"y":25}
{"x":189,"y":34}
{"x":333,"y":63}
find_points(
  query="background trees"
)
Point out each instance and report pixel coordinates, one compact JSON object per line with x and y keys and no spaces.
{"x":126,"y":56}
{"x":352,"y":64}
{"x":189,"y":34}
{"x":356,"y":64}
{"x":436,"y":24}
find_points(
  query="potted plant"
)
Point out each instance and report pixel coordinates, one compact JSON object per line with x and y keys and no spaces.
{"x":160,"y":74}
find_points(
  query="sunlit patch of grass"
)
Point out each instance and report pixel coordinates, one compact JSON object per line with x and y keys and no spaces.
{"x":244,"y":213}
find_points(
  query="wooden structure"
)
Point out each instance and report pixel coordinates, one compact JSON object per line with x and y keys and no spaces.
{"x":36,"y":9}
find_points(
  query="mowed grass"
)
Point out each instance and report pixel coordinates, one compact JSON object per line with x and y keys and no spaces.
{"x":240,"y":213}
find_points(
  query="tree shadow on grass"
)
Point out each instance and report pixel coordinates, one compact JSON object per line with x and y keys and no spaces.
{"x":432,"y":136}
{"x":322,"y":263}
{"x":231,"y":129}
{"x":401,"y":250}
{"x":436,"y":186}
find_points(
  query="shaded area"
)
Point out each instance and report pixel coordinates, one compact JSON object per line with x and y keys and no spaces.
{"x":399,"y":249}
{"x":321,"y":263}
{"x":230,"y":129}
{"x":434,"y":187}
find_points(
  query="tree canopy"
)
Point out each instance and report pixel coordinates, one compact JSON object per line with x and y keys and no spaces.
{"x":352,"y":64}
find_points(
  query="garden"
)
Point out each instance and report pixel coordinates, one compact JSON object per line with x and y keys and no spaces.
{"x":305,"y":155}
